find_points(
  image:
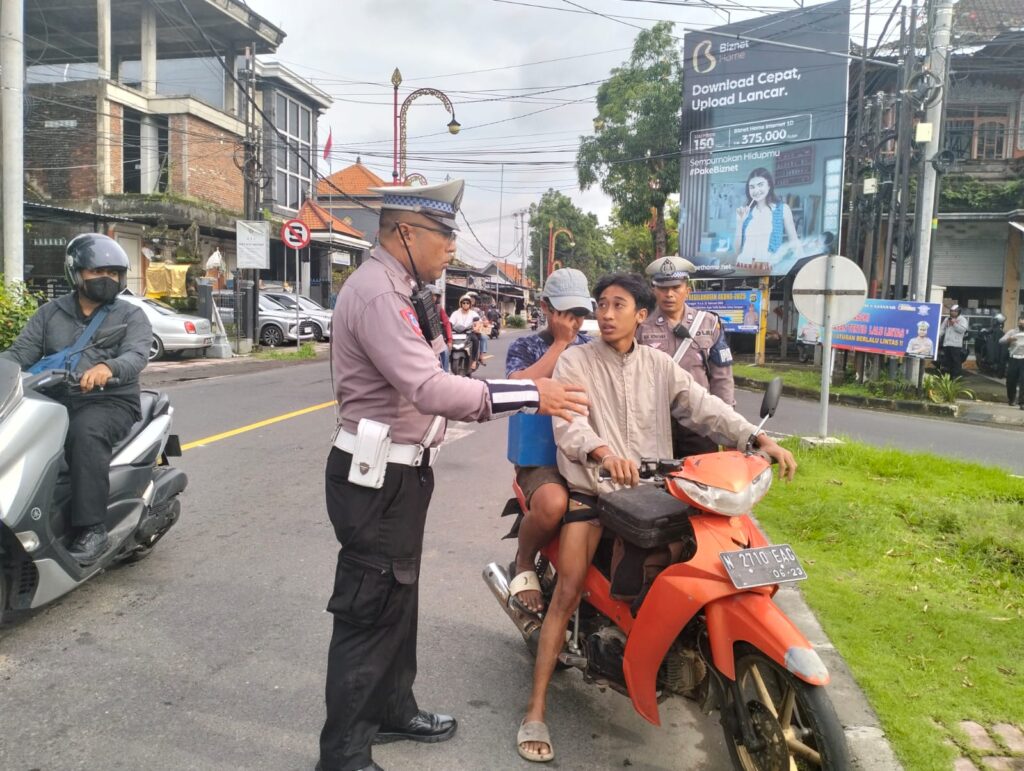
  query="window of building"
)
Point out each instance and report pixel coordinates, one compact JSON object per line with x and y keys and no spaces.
{"x":292,"y":176}
{"x":135,"y":144}
{"x":978,"y":132}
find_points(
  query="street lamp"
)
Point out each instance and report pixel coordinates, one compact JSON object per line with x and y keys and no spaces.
{"x":552,"y":235}
{"x":399,"y":125}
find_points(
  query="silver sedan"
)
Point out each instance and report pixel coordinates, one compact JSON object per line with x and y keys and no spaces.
{"x":172,"y":331}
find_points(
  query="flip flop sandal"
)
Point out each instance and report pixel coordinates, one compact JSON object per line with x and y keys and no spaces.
{"x":526,"y":581}
{"x":534,"y":731}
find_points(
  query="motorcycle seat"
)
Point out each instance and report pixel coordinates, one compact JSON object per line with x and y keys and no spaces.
{"x":153,"y":404}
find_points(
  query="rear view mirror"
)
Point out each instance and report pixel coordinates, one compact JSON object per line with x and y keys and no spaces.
{"x":771,"y":398}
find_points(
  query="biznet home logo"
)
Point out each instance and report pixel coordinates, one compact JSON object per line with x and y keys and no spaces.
{"x":704,"y":59}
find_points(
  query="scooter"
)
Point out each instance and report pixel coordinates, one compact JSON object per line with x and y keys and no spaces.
{"x":989,"y":355}
{"x":706,"y":628}
{"x":495,"y":330}
{"x":35,"y":530}
{"x":461,"y":362}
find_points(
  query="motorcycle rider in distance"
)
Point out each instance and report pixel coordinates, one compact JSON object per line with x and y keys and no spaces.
{"x":466,"y":321}
{"x":96,"y":267}
{"x":623,"y":426}
{"x":566,"y":300}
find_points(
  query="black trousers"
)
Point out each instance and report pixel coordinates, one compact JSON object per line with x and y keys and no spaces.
{"x":1015,"y":377}
{"x":951,"y":361}
{"x":96,"y":425}
{"x":686,"y":442}
{"x":371,"y":663}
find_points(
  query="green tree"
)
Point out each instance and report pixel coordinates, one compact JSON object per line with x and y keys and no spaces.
{"x":632,"y":245}
{"x":590,"y":250}
{"x":634,"y":152}
{"x":17,"y":305}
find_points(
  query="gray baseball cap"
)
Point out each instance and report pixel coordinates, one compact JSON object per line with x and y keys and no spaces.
{"x":566,"y":289}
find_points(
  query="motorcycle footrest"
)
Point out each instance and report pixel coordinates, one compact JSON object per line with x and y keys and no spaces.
{"x":572,"y":660}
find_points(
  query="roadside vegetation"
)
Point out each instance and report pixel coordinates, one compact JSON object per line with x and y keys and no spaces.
{"x":916,"y":568}
{"x":304,"y":351}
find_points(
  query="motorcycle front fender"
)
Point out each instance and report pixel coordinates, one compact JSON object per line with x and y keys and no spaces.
{"x":731,"y":617}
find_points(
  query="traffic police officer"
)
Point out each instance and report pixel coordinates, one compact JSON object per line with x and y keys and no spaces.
{"x":390,"y":386}
{"x":694,"y":338}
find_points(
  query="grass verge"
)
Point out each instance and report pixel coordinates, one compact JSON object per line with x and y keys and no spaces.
{"x":916,"y":568}
{"x":304,"y":351}
{"x":800,"y":378}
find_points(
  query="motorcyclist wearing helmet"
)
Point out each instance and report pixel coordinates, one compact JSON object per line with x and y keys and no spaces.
{"x":99,"y":416}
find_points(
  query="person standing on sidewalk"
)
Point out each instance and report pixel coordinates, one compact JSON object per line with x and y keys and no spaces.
{"x":1014,"y":339}
{"x":952,"y":333}
{"x":393,"y":398}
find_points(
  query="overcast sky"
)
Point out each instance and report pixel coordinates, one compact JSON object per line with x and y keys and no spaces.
{"x":481,"y":53}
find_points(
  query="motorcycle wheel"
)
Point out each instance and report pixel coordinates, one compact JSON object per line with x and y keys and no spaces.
{"x":796,"y":720}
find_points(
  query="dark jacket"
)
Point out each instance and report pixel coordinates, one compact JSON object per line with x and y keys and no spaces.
{"x":60,"y":322}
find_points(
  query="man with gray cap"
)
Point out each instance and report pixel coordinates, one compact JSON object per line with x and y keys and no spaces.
{"x":566,"y":300}
{"x":393,"y":398}
{"x":693,"y":338}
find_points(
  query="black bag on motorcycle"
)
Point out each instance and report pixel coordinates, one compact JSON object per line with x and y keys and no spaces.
{"x":652,"y":530}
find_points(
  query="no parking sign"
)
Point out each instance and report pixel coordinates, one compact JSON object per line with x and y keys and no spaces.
{"x":295,"y":234}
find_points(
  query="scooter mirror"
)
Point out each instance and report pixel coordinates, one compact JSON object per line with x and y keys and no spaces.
{"x":771,"y":398}
{"x":108,"y":336}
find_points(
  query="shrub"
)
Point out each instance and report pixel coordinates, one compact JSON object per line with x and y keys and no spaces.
{"x":515,"y":322}
{"x":17,"y":304}
{"x":943,"y":389}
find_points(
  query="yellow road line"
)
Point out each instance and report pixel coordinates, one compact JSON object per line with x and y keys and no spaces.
{"x":252,"y":426}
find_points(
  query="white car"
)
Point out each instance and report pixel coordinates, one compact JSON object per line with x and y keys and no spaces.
{"x":320,"y":315}
{"x":173,"y":332}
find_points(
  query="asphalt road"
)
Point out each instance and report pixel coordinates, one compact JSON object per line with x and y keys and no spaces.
{"x":211,"y":653}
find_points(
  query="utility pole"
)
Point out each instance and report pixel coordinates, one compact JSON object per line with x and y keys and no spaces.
{"x":12,"y":60}
{"x":903,"y":137}
{"x":251,"y":176}
{"x":501,"y":206}
{"x":938,"y":57}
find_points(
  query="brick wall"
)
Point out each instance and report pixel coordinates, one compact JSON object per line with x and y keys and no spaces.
{"x":116,"y":147}
{"x":177,"y":150}
{"x":60,"y":140}
{"x":210,"y":171}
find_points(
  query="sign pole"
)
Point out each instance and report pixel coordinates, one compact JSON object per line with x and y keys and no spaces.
{"x":298,"y":337}
{"x":826,"y":346}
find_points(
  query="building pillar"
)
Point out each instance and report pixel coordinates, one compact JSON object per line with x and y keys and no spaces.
{"x":149,"y":150}
{"x":12,"y":78}
{"x":1012,"y":269}
{"x":230,"y":89}
{"x":104,"y":62}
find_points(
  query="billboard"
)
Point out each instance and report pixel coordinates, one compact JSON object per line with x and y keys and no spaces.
{"x":739,"y":309}
{"x":889,"y":327}
{"x":763,"y":127}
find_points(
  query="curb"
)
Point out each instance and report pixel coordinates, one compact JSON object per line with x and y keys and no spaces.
{"x":870,"y":402}
{"x":203,"y":369}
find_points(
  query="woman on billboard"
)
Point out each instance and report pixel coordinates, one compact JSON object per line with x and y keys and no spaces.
{"x":764,"y":225}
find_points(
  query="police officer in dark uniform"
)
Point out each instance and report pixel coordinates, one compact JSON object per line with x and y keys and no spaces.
{"x":693,"y":337}
{"x":393,"y":400}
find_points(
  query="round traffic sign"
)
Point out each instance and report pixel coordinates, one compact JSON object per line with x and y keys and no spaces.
{"x":849,"y":289}
{"x":295,"y":234}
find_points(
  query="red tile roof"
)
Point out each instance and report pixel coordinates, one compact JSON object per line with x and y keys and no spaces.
{"x":354,"y":180}
{"x":513,"y":273}
{"x":320,"y":220}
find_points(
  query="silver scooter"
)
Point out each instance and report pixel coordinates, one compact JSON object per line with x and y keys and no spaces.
{"x":35,"y":529}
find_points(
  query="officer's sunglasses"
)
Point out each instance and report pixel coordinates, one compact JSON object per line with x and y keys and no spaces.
{"x":450,"y":234}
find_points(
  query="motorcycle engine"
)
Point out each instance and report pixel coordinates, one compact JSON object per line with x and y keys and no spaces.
{"x":683,"y":671}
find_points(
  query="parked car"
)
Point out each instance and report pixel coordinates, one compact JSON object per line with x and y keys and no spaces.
{"x":277,"y":323}
{"x":173,"y":332}
{"x":320,"y":315}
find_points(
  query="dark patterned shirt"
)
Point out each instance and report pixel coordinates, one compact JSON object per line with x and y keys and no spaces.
{"x":527,"y":351}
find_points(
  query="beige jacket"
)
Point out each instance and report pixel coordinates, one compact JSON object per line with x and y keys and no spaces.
{"x":633,"y":399}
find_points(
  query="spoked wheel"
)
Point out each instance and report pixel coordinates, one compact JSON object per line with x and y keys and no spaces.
{"x":794,"y":720}
{"x":156,"y":348}
{"x":272,"y":336}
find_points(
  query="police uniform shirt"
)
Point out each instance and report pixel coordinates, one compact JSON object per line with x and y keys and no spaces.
{"x":385,"y":369}
{"x":708,"y":344}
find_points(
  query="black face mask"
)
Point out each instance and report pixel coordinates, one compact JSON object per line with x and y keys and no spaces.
{"x":102,"y":290}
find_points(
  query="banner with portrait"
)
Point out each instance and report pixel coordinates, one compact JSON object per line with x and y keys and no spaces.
{"x":890,"y":327}
{"x":739,"y":309}
{"x":763,"y":127}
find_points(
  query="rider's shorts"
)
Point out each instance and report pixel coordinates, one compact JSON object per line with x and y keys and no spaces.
{"x":530,"y":479}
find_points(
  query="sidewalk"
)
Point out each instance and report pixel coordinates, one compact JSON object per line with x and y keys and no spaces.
{"x":181,"y":370}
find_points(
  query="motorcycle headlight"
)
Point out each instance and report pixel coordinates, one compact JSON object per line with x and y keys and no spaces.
{"x":725,"y":502}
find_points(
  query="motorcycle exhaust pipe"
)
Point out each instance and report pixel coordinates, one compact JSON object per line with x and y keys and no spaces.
{"x":497,"y":581}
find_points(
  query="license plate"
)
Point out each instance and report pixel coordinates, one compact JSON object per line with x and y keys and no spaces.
{"x":767,"y":565}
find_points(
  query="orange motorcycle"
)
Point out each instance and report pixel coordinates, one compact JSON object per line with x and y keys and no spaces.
{"x":706,"y":627}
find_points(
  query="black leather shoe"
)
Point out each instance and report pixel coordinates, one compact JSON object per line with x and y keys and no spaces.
{"x":372,"y":767}
{"x":425,"y":727}
{"x":89,"y":545}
